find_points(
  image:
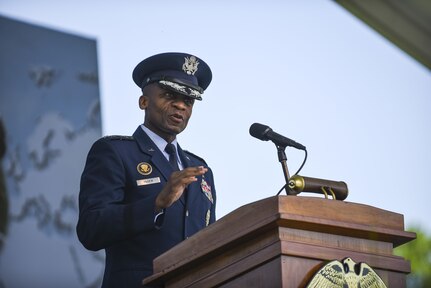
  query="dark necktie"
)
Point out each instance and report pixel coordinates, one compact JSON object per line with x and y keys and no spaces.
{"x":173,"y":160}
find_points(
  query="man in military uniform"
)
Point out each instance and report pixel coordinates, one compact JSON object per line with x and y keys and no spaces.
{"x":142,"y":194}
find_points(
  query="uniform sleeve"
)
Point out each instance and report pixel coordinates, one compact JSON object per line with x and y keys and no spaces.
{"x":104,"y":218}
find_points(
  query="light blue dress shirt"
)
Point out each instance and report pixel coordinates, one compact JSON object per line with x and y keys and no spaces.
{"x":161,"y":144}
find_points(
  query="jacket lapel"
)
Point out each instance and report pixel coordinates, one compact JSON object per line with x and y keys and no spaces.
{"x":147,"y":146}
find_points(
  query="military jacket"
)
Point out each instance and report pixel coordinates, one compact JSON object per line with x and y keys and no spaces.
{"x":120,"y":182}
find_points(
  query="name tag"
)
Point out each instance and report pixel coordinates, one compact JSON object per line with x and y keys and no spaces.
{"x":148,"y":181}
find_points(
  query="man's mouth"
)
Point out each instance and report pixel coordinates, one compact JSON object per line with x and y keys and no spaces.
{"x":177,"y":118}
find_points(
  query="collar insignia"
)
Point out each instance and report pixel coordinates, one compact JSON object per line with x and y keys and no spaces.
{"x":190,"y":65}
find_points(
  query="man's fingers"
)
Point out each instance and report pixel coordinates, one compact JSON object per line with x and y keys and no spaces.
{"x":182,"y":180}
{"x":194,"y":171}
{"x":177,"y":183}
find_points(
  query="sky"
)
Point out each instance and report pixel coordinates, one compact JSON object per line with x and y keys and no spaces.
{"x":308,"y":69}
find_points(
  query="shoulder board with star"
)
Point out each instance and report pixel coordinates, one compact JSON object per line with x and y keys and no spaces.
{"x":119,"y":137}
{"x":195,"y":156}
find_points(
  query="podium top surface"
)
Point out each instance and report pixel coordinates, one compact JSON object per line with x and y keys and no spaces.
{"x":305,"y":213}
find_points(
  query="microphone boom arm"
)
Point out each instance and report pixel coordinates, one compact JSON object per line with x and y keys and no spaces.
{"x":283,"y":160}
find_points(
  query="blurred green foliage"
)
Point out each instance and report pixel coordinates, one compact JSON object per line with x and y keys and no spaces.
{"x":418,"y":252}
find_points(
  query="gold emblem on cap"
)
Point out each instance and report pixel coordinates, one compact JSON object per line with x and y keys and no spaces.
{"x":190,"y":65}
{"x":144,"y":168}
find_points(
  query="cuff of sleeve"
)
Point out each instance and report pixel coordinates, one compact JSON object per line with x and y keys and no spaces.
{"x":158,"y":219}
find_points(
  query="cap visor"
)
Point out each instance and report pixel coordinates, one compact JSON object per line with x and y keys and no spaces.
{"x":182,"y":89}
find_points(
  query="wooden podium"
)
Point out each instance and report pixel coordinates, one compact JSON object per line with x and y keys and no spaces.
{"x":283,"y":241}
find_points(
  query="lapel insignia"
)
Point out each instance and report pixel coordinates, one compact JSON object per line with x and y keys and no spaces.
{"x":144,"y":168}
{"x":190,"y":65}
{"x":206,"y":189}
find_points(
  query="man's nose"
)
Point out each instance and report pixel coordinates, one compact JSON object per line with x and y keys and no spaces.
{"x":180,"y":103}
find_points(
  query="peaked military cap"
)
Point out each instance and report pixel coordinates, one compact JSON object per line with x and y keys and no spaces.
{"x":179,"y":72}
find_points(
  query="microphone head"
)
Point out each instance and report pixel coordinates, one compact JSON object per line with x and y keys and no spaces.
{"x":259,"y":131}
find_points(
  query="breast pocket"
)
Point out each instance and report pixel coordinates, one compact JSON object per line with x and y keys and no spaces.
{"x":145,"y":187}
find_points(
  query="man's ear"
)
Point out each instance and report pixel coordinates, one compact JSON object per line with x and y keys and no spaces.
{"x":143,"y":102}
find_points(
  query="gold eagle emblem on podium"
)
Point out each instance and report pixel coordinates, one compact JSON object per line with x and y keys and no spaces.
{"x":344,"y":274}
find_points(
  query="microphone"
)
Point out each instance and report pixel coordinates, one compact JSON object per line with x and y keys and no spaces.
{"x":265,"y":133}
